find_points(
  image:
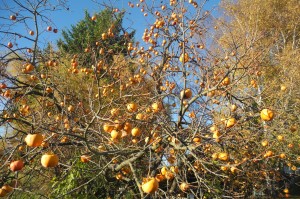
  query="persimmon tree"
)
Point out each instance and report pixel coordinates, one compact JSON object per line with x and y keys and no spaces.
{"x":173,"y":116}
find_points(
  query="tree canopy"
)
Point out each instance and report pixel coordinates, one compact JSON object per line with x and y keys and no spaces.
{"x":199,"y":107}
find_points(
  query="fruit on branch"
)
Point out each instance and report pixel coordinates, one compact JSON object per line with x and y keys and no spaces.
{"x":115,"y":134}
{"x":2,"y":192}
{"x":136,"y":132}
{"x":197,"y":140}
{"x":132,"y":107}
{"x":31,"y":32}
{"x":108,"y":128}
{"x":49,"y":90}
{"x":93,"y":18}
{"x":164,"y":170}
{"x":104,"y":36}
{"x":283,"y":88}
{"x":184,"y":187}
{"x":156,"y":107}
{"x":286,"y":190}
{"x":184,"y":58}
{"x":230,"y":122}
{"x":55,"y":30}
{"x":13,"y":17}
{"x":150,"y":185}
{"x":49,"y":160}
{"x":34,"y":140}
{"x":5,"y":190}
{"x":282,"y":155}
{"x":3,"y":86}
{"x":174,"y":169}
{"x":16,"y":165}
{"x":223,"y":156}
{"x":10,"y":45}
{"x":226,"y":81}
{"x":280,"y":138}
{"x":266,"y":115}
{"x":264,"y":143}
{"x":29,"y":67}
{"x":186,"y":94}
{"x":49,"y":28}
{"x":85,"y":158}
{"x":233,"y":107}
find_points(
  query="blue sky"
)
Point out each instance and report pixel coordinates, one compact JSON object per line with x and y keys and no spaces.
{"x":134,"y":17}
{"x":63,"y":19}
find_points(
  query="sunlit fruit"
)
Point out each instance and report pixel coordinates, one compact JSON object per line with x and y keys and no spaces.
{"x":71,"y":108}
{"x":34,"y":140}
{"x":85,"y":158}
{"x":115,"y":134}
{"x":266,"y":115}
{"x":268,"y":154}
{"x":49,"y":160}
{"x":215,"y":156}
{"x":119,"y":176}
{"x":139,"y":116}
{"x":3,"y":192}
{"x":29,"y":67}
{"x":13,"y":17}
{"x":264,"y":143}
{"x":31,"y":32}
{"x":282,"y":155}
{"x":184,"y":58}
{"x":233,"y":107}
{"x":132,"y":107}
{"x":184,"y":187}
{"x":7,"y":188}
{"x":280,"y":138}
{"x":49,"y":28}
{"x":93,"y":18}
{"x":169,"y":175}
{"x":224,"y":168}
{"x":223,"y":156}
{"x":150,"y":185}
{"x":16,"y":165}
{"x":3,"y":86}
{"x":226,"y":81}
{"x":174,"y":169}
{"x":49,"y":90}
{"x":156,"y":107}
{"x":10,"y":45}
{"x":108,"y":127}
{"x":230,"y":122}
{"x":186,"y":94}
{"x":286,"y":190}
{"x":283,"y":88}
{"x":104,"y":36}
{"x":136,"y":131}
{"x":163,"y":170}
{"x":197,"y":140}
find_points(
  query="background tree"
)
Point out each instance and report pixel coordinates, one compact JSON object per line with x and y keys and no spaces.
{"x":96,"y":32}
